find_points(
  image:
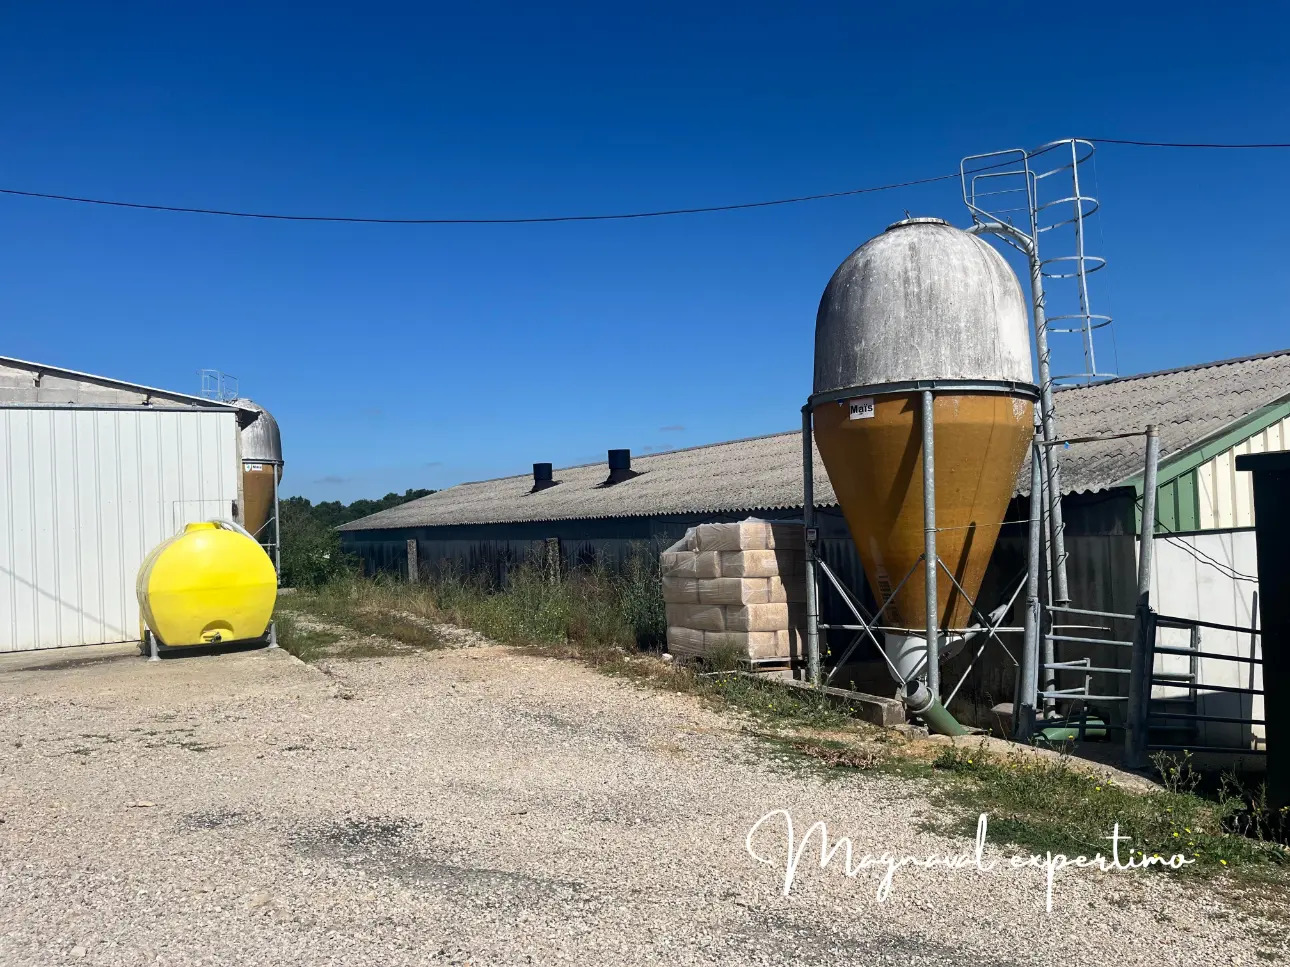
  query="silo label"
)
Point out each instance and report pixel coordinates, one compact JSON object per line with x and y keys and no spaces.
{"x":861,"y":409}
{"x":252,"y":467}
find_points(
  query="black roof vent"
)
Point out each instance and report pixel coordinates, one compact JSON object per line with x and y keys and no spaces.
{"x":542,"y":477}
{"x":620,"y":467}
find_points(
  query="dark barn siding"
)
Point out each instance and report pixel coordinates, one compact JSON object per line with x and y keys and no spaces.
{"x":496,"y":549}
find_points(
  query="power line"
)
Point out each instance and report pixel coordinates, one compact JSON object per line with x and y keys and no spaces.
{"x":549,"y":219}
{"x":1184,"y":144}
{"x":272,"y":216}
{"x":1225,"y":569}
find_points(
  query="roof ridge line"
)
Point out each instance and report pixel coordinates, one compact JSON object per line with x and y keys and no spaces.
{"x":1179,"y":369}
{"x":641,"y":456}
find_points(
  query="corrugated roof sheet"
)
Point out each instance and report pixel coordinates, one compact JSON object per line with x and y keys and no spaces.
{"x":1190,"y":405}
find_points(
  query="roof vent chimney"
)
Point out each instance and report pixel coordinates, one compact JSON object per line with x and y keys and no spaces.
{"x":542,"y":477}
{"x":620,"y":467}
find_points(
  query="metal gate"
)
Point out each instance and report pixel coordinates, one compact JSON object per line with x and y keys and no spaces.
{"x":1195,"y":698}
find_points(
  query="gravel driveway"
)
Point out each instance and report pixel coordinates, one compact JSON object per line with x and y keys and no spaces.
{"x":482,"y":806}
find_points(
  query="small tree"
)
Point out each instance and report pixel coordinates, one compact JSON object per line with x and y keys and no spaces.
{"x":311,"y":553}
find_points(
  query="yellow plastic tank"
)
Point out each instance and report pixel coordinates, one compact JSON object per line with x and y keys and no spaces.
{"x":209,"y":584}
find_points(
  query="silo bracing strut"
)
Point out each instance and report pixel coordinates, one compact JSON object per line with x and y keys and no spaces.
{"x":923,"y":413}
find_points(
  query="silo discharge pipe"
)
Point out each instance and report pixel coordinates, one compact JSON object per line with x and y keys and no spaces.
{"x":919,"y":701}
{"x":907,"y":660}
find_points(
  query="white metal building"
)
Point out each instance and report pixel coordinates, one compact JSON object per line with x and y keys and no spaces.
{"x":96,"y":473}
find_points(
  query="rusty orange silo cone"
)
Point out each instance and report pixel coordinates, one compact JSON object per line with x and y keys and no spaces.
{"x":257,"y":494}
{"x":261,"y":442}
{"x":876,"y":467}
{"x":923,"y":306}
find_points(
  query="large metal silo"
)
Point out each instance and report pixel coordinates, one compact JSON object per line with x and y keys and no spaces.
{"x":261,"y":471}
{"x":923,"y":313}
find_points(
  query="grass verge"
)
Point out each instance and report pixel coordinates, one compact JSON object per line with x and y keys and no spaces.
{"x":364,"y":608}
{"x":306,"y":643}
{"x":1047,"y":804}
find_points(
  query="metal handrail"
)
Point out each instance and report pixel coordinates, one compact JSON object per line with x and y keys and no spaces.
{"x":1196,"y":686}
{"x":1172,"y":621}
{"x":1188,"y":652}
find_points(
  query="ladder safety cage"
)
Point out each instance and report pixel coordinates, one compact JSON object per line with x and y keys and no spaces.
{"x":1042,"y":196}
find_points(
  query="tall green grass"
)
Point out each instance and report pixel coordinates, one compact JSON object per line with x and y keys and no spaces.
{"x":597,"y":608}
{"x":1044,"y":804}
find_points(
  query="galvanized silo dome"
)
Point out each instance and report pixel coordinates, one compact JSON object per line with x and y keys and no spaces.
{"x":261,"y":439}
{"x":923,"y":300}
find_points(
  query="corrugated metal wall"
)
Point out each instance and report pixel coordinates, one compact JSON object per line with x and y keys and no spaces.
{"x":1224,"y":496}
{"x":85,"y":494}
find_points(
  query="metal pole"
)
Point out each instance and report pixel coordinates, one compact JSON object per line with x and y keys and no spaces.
{"x":277,"y":527}
{"x":809,"y":533}
{"x":1026,"y":697}
{"x":1047,"y":648}
{"x":1140,"y":670}
{"x":1047,"y":419}
{"x":277,"y":530}
{"x":1086,"y":320}
{"x":930,"y":559}
{"x":1148,"y":529}
{"x":1061,"y":596}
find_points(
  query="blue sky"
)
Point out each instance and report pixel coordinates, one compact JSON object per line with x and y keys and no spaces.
{"x":404,"y":356}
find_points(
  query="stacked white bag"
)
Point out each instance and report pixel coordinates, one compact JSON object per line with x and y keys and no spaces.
{"x":739,"y":586}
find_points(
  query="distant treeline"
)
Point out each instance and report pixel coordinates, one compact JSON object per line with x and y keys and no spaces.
{"x":311,"y":553}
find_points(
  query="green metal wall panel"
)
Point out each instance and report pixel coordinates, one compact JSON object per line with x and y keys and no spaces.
{"x":1178,"y":490}
{"x":1177,"y":505}
{"x":1188,"y":502}
{"x":1167,"y":505}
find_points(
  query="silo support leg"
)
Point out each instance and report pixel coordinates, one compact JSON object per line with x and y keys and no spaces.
{"x":930,"y":560}
{"x":810,"y":535}
{"x":1025,"y":702}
